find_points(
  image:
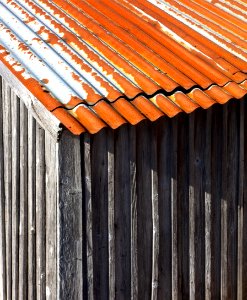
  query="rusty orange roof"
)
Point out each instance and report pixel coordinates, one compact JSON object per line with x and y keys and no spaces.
{"x":98,"y":63}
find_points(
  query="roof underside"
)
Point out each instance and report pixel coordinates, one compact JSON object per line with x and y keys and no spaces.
{"x":97,"y":63}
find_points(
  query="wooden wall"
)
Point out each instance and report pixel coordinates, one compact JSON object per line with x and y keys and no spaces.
{"x":28,"y":198}
{"x":156,"y":211}
{"x":164,"y":209}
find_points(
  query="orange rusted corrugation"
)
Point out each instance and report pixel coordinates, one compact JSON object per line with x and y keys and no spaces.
{"x":98,"y":63}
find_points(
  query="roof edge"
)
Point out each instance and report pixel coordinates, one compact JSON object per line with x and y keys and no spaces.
{"x":41,"y":114}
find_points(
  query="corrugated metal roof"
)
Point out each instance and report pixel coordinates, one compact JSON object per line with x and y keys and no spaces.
{"x":97,"y":63}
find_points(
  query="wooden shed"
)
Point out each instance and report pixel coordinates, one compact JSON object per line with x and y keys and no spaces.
{"x":123,"y":149}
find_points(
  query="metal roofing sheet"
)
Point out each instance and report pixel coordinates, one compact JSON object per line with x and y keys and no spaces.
{"x":97,"y":63}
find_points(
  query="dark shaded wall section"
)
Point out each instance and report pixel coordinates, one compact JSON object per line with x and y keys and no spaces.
{"x":164,"y":208}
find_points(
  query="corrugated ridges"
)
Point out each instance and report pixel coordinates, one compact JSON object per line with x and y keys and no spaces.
{"x":105,"y":63}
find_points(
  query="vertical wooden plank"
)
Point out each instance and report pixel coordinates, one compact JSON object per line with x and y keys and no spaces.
{"x":100,"y":214}
{"x":192,"y":217}
{"x":166,"y":165}
{"x":208,"y":207}
{"x":87,"y":209}
{"x":183,"y":207}
{"x":23,"y":255}
{"x":51,"y":217}
{"x":241,"y":247}
{"x":224,"y":236}
{"x":229,"y":202}
{"x":133,"y":196}
{"x":231,"y":194}
{"x":3,"y":279}
{"x":244,"y":257}
{"x":40,"y":214}
{"x":70,"y":281}
{"x":144,"y":211}
{"x":7,"y":153}
{"x":155,"y":214}
{"x":216,"y":186}
{"x":31,"y":164}
{"x":15,"y":104}
{"x":111,"y":216}
{"x":174,"y":210}
{"x":122,"y":214}
{"x":197,"y":141}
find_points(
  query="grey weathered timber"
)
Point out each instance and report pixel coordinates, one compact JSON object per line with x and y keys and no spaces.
{"x":7,"y":154}
{"x":111,"y":217}
{"x":23,"y":225}
{"x":69,"y":208}
{"x":15,"y":116}
{"x":32,"y":288}
{"x":153,"y":211}
{"x":3,"y":279}
{"x":51,"y":218}
{"x":88,"y":221}
{"x":20,"y":196}
{"x":45,"y":118}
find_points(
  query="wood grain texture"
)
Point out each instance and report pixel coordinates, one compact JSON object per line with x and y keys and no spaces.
{"x":122,"y":214}
{"x":3,"y":279}
{"x":144,"y":211}
{"x":133,"y":218}
{"x":100,"y":214}
{"x":23,"y":226}
{"x":166,"y":184}
{"x":51,"y":217}
{"x":7,"y":154}
{"x":15,"y":192}
{"x":88,"y":221}
{"x":155,"y":211}
{"x":31,"y":165}
{"x":70,"y":284}
{"x":40,"y":214}
{"x":45,"y":118}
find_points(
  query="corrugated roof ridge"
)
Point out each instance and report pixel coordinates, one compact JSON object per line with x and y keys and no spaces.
{"x":207,"y":28}
{"x":191,"y":35}
{"x":213,"y":16}
{"x":146,"y":32}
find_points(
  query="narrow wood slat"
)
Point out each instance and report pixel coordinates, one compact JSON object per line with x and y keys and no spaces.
{"x":244,"y":257}
{"x":174,"y":210}
{"x":231,"y":194}
{"x":31,"y":165}
{"x":155,"y":215}
{"x":241,"y":232}
{"x":7,"y":153}
{"x":40,"y":214}
{"x":183,"y":206}
{"x":87,"y":208}
{"x":15,"y":104}
{"x":111,"y":216}
{"x":144,"y":211}
{"x":197,"y":179}
{"x":100,"y":214}
{"x":224,"y":236}
{"x":208,"y":208}
{"x":70,"y":284}
{"x":51,"y":217}
{"x":122,"y":213}
{"x":133,"y":196}
{"x":23,"y":230}
{"x":216,"y":186}
{"x":166,"y":171}
{"x":3,"y":279}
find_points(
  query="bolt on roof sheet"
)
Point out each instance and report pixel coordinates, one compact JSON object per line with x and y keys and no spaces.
{"x":98,"y":63}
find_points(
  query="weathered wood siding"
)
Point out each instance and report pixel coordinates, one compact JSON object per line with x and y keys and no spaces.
{"x":28,"y":201}
{"x":164,"y":211}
